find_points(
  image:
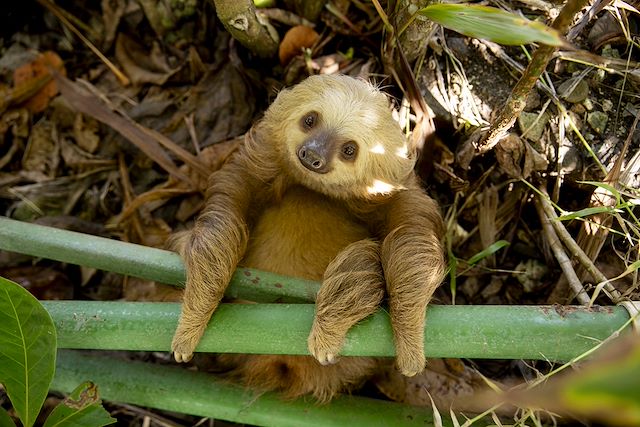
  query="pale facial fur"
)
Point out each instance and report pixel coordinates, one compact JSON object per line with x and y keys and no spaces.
{"x":352,"y":110}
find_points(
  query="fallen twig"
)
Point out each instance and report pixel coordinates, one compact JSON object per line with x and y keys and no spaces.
{"x":574,"y":248}
{"x":561,"y":256}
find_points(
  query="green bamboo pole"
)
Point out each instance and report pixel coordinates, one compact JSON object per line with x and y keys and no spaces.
{"x":141,"y":261}
{"x":503,"y":332}
{"x":174,"y":389}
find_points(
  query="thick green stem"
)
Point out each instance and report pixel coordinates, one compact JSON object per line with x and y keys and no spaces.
{"x":141,"y":261}
{"x":174,"y":389}
{"x":555,"y":333}
{"x":504,"y":332}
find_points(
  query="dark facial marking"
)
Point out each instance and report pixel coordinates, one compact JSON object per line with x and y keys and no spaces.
{"x":309,"y":121}
{"x":349,"y":151}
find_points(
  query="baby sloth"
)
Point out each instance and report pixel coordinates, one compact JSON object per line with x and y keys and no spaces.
{"x":323,"y":189}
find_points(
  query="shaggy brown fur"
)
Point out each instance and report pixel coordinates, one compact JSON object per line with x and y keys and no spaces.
{"x":323,"y":188}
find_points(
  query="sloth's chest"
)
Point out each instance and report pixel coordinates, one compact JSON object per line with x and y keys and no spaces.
{"x":301,"y":235}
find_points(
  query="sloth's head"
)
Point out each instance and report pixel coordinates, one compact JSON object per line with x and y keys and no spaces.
{"x":337,"y":136}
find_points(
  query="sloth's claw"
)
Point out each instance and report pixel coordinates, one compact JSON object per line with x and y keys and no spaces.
{"x":182,"y":357}
{"x":324,"y":349}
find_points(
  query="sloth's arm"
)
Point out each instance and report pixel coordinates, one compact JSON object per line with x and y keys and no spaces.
{"x":352,"y":289}
{"x":413,"y":261}
{"x":212,"y":250}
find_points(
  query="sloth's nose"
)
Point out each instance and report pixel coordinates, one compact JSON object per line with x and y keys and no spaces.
{"x":311,"y":159}
{"x":314,"y":154}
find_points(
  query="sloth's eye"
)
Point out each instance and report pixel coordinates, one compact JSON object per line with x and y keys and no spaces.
{"x":349,"y":150}
{"x":309,"y":120}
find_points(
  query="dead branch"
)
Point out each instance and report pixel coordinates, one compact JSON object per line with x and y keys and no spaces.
{"x":561,"y":256}
{"x":574,"y":248}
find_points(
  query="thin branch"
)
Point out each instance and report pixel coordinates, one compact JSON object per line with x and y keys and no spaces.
{"x":575,"y":249}
{"x":561,"y":255}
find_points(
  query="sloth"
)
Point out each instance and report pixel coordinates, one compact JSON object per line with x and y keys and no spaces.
{"x":323,"y":188}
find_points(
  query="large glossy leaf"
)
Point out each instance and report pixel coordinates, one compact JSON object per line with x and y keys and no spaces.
{"x":82,"y":408}
{"x":27,"y":350}
{"x":608,"y":389}
{"x":5,"y":419}
{"x":492,"y":24}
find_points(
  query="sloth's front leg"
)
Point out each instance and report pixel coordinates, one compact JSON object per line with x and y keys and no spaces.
{"x":352,"y":289}
{"x":413,"y":261}
{"x":212,"y":251}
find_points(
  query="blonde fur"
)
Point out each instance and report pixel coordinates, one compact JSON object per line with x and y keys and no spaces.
{"x":364,"y":227}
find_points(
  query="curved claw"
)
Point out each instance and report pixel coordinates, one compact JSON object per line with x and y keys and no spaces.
{"x":324,"y":348}
{"x":182,"y":357}
{"x":410,"y":365}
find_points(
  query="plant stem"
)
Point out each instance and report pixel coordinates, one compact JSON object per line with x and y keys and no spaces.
{"x":173,"y":389}
{"x":505,"y":332}
{"x":142,"y":261}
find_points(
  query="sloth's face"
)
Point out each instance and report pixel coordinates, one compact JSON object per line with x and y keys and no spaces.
{"x":339,"y":138}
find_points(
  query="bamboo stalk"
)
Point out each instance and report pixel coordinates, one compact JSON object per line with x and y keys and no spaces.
{"x":174,"y":389}
{"x":489,"y":332}
{"x":554,"y":333}
{"x":141,"y":261}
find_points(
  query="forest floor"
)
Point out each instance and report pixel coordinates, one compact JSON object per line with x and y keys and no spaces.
{"x":184,"y":77}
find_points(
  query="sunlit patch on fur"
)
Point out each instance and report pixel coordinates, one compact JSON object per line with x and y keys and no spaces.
{"x":403,"y":152}
{"x":377,"y":149}
{"x":381,"y":187}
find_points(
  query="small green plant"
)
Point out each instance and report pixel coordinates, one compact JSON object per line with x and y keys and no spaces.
{"x":27,"y":363}
{"x":492,"y":24}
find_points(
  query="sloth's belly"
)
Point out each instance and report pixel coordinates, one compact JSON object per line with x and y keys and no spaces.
{"x":301,"y":235}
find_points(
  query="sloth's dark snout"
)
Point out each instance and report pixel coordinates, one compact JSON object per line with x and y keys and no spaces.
{"x":316,"y":153}
{"x":311,"y":159}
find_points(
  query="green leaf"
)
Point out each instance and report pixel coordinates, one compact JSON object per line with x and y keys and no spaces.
{"x":488,"y":251}
{"x":587,"y":212}
{"x":82,"y":408}
{"x":27,"y":350}
{"x":610,"y":188}
{"x":609,"y":387}
{"x":5,"y":419}
{"x":492,"y":24}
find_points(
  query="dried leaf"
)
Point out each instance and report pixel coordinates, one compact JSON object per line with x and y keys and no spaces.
{"x":83,"y":101}
{"x":112,"y":12}
{"x":79,"y":160}
{"x":85,"y":132}
{"x":141,"y":66}
{"x":509,"y":152}
{"x":450,"y":384}
{"x":42,"y":155}
{"x":34,"y":78}
{"x":43,"y":282}
{"x":533,"y":161}
{"x":295,"y":40}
